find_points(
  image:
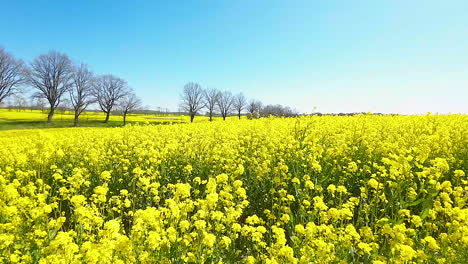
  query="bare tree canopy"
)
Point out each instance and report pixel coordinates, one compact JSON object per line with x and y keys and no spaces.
{"x":253,"y":108}
{"x":20,"y":102}
{"x":128,"y":104}
{"x":51,"y":74}
{"x":107,"y":91}
{"x":39,"y":103}
{"x":239,"y":103}
{"x":11,"y":74}
{"x":192,"y":99}
{"x":225,"y":102}
{"x":80,"y":91}
{"x":278,"y":110}
{"x":211,"y":98}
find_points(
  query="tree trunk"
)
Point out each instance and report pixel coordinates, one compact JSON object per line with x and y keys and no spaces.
{"x":192,"y":116}
{"x":224,"y":117}
{"x":125,"y":118}
{"x":239,"y":115}
{"x":107,"y":117}
{"x":211,"y":117}
{"x":77,"y":115}
{"x":51,"y":115}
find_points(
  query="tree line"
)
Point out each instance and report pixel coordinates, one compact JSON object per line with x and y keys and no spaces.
{"x":194,"y":99}
{"x":54,"y":78}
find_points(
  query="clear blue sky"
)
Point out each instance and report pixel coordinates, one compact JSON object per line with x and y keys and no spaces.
{"x":341,"y":56}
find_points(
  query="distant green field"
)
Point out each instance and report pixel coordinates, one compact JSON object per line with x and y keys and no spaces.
{"x":21,"y":119}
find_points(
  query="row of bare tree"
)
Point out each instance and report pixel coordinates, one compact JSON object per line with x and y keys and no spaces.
{"x":54,"y":77}
{"x":194,"y":99}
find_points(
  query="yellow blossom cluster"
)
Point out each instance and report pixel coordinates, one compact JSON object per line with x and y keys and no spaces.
{"x":360,"y":189}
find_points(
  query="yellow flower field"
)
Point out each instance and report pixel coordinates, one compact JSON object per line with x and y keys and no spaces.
{"x":361,"y":189}
{"x":21,"y":119}
{"x":64,"y":116}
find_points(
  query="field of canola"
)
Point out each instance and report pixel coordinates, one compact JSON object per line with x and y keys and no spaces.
{"x":362,"y":189}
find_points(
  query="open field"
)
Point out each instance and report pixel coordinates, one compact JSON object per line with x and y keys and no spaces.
{"x":361,"y":189}
{"x":21,"y":119}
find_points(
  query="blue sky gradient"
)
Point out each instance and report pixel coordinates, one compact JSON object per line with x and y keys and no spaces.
{"x":341,"y":56}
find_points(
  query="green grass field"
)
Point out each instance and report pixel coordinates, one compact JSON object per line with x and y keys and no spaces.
{"x":23,"y":119}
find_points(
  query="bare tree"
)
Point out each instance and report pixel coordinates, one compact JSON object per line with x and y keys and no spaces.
{"x":20,"y":102}
{"x":278,"y":110}
{"x":225,"y":102}
{"x":239,"y":103}
{"x":51,"y":74}
{"x":211,"y":97}
{"x":253,"y":108}
{"x":80,"y":92}
{"x":107,"y":91}
{"x":40,"y":101}
{"x":10,"y":104}
{"x":41,"y":104}
{"x":192,"y":99}
{"x":11,"y":74}
{"x":128,"y":104}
